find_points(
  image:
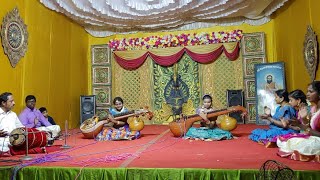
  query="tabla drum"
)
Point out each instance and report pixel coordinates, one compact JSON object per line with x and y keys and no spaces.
{"x":36,"y":138}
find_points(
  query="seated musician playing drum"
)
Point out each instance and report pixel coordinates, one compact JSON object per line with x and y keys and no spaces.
{"x":8,"y":122}
{"x":208,"y":130}
{"x":31,"y":117}
{"x":117,"y":130}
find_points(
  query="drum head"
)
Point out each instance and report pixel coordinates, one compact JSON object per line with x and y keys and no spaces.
{"x":17,"y":137}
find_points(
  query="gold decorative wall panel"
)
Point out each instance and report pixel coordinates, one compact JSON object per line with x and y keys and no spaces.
{"x":188,"y":70}
{"x":219,"y":76}
{"x":134,"y":86}
{"x":253,"y":52}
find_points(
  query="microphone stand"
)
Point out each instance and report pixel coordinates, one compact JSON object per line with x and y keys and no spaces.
{"x":26,"y":157}
{"x":65,"y":146}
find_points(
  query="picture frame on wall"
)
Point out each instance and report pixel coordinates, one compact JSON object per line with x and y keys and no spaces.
{"x":269,"y":78}
{"x":249,"y":62}
{"x":251,"y":108}
{"x":101,"y":54}
{"x":253,"y":44}
{"x":250,"y":89}
{"x":101,"y":75}
{"x":103,"y":95}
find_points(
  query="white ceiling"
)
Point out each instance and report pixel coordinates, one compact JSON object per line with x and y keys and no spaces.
{"x":103,"y":18}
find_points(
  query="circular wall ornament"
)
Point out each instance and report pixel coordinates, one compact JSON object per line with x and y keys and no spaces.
{"x":310,"y":52}
{"x":14,"y":36}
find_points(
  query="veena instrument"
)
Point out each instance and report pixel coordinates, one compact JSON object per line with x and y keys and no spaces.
{"x":90,"y":128}
{"x":180,"y":126}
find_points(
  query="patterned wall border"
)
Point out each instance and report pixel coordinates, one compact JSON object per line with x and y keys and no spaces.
{"x":253,"y":44}
{"x":250,"y":89}
{"x":249,"y":62}
{"x":102,"y":111}
{"x":101,"y":55}
{"x":251,"y":108}
{"x":101,"y":75}
{"x":103,"y":95}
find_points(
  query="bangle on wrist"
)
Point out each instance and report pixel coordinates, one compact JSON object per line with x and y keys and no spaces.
{"x":118,"y":122}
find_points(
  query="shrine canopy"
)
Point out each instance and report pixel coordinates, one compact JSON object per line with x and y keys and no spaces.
{"x":203,"y":54}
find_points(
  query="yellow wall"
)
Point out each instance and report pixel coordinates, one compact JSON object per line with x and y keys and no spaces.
{"x":55,"y":66}
{"x":290,"y":27}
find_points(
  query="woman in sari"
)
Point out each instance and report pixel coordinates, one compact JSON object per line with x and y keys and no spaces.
{"x":117,"y":130}
{"x":306,"y":145}
{"x":277,"y":127}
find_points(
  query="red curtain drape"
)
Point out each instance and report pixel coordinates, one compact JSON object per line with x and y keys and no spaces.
{"x":167,"y":60}
{"x":205,"y":58}
{"x":170,"y":60}
{"x":132,"y":63}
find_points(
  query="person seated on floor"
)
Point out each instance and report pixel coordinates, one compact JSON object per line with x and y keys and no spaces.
{"x":208,"y":130}
{"x":8,"y":122}
{"x":44,"y":112}
{"x":277,"y":127}
{"x":298,"y":100}
{"x":31,"y":117}
{"x":306,"y":145}
{"x":117,"y":130}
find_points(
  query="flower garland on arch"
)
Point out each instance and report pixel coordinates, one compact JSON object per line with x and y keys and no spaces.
{"x":175,"y":40}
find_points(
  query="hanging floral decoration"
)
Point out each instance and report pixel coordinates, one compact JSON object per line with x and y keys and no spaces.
{"x":175,"y":40}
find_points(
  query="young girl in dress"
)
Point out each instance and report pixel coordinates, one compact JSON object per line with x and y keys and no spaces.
{"x":277,"y":127}
{"x":208,"y":130}
{"x":298,"y":100}
{"x":117,"y":129}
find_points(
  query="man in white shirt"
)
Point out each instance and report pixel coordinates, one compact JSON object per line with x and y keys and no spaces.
{"x":8,"y":121}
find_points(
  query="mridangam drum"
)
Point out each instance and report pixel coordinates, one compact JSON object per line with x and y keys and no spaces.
{"x":36,"y":138}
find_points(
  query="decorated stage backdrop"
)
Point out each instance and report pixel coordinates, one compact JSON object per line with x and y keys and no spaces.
{"x":148,"y":84}
{"x":170,"y":72}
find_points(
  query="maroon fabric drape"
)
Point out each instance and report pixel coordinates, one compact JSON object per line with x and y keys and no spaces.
{"x":205,"y":58}
{"x":170,"y":60}
{"x":234,"y":54}
{"x":167,"y":60}
{"x":131,"y":64}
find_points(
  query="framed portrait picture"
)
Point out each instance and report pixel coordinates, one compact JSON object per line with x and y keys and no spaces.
{"x":253,"y":44}
{"x":251,"y":108}
{"x":103,"y":95}
{"x":249,"y":62}
{"x":250,"y":87}
{"x":101,"y":54}
{"x":101,"y":75}
{"x":270,"y":77}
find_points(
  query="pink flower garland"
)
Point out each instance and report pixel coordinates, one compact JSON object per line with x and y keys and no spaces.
{"x":175,"y":40}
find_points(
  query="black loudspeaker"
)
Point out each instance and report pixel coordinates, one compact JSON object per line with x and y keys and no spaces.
{"x":87,"y":107}
{"x":235,"y":98}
